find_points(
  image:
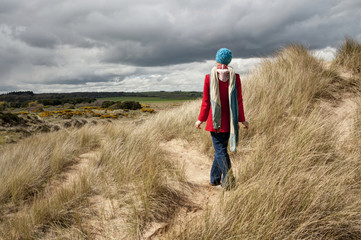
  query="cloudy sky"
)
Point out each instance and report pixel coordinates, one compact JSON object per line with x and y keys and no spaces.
{"x":140,"y":45}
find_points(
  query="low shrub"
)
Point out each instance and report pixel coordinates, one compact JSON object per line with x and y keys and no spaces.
{"x":107,"y":104}
{"x":3,"y":106}
{"x":10,"y":118}
{"x":131,"y":105}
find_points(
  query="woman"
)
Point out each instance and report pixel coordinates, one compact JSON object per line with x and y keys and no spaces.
{"x":222,"y":108}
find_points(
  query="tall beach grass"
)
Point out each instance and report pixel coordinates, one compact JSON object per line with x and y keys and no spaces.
{"x":291,"y":181}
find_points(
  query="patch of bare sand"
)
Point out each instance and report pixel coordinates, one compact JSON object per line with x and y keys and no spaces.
{"x":345,"y":108}
{"x":104,"y":217}
{"x":70,"y":173}
{"x":344,"y":114}
{"x":342,"y":72}
{"x":106,"y":221}
{"x":197,"y":169}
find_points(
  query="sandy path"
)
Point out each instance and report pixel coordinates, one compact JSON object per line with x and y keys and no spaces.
{"x":197,"y":168}
{"x":345,"y":115}
{"x":344,"y":111}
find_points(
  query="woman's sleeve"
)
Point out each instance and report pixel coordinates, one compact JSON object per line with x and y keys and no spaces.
{"x":241,"y":117}
{"x":203,"y":115}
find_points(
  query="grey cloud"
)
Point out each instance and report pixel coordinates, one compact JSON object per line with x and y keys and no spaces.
{"x":8,"y":7}
{"x":162,"y":33}
{"x":39,"y":38}
{"x":8,"y":88}
{"x":83,"y":79}
{"x":258,"y":32}
{"x":146,"y":34}
{"x":15,"y":55}
{"x":160,"y":54}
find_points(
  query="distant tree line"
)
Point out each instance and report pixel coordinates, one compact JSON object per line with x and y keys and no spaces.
{"x":55,"y":102}
{"x":18,"y":99}
{"x":29,"y":95}
{"x":21,"y":103}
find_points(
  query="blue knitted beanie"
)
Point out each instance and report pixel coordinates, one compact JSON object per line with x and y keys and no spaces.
{"x":224,"y":56}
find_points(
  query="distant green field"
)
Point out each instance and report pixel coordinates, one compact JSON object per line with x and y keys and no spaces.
{"x":146,"y":99}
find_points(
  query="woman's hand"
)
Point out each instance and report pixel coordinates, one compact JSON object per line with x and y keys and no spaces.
{"x":198,"y":124}
{"x":245,"y":124}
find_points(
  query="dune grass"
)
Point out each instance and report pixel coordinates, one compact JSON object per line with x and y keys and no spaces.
{"x":29,"y":169}
{"x":291,"y":186}
{"x":26,"y":167}
{"x":131,"y":169}
{"x":59,"y":208}
{"x":141,"y":175}
{"x":291,"y":181}
{"x":349,"y":56}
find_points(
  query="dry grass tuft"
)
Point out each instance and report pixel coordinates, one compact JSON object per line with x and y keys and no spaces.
{"x":25,"y":168}
{"x":349,"y":56}
{"x":287,"y":86}
{"x":56,"y":209}
{"x":30,"y":203}
{"x":138,"y":170}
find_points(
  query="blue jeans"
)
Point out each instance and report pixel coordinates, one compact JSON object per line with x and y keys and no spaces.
{"x":221,"y":162}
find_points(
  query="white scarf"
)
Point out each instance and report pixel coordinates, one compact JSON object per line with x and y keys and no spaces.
{"x":233,"y":104}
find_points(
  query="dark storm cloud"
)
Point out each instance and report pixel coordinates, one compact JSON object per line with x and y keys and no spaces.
{"x":160,"y":33}
{"x":250,"y":28}
{"x":168,"y":32}
{"x":7,"y":6}
{"x":39,"y":38}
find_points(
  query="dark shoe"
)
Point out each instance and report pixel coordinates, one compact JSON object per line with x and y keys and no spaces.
{"x":216,"y":183}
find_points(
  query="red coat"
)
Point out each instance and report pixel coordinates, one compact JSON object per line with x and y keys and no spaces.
{"x":206,"y":110}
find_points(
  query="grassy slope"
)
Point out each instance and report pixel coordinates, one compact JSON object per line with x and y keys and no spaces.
{"x":292,"y":180}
